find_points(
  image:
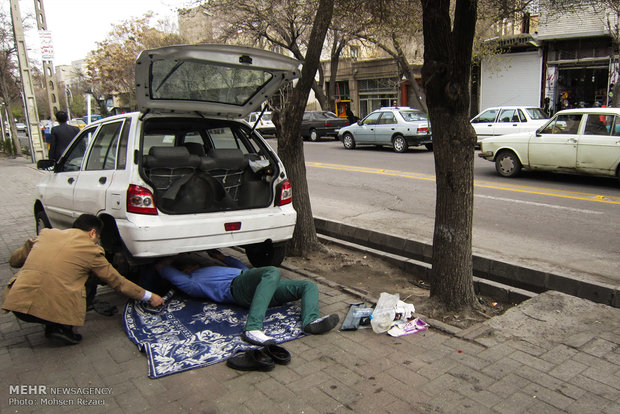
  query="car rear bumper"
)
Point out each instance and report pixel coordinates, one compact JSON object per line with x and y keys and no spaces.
{"x":419,"y":140}
{"x":487,"y":155}
{"x":152,"y":236}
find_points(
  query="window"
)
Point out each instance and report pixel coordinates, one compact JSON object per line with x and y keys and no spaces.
{"x":372,"y":119}
{"x":563,"y":124}
{"x":157,"y":140}
{"x":598,"y":124}
{"x":103,"y":153}
{"x":509,"y":115}
{"x":193,"y":136}
{"x":224,"y":137}
{"x":122,"y":146}
{"x":413,"y":116}
{"x":73,"y":160}
{"x":355,"y":51}
{"x":487,"y":116}
{"x":387,"y":118}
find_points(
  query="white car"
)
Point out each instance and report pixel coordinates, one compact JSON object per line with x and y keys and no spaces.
{"x":507,"y":120}
{"x":184,"y":173}
{"x":265,"y":125}
{"x":582,"y":141}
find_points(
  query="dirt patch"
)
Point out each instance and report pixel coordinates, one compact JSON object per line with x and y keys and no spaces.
{"x":371,"y":275}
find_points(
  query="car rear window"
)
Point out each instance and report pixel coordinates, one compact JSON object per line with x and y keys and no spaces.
{"x":536,"y":113}
{"x":414,"y":116}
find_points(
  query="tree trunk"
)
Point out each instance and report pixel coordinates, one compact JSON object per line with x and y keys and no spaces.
{"x":446,"y":70}
{"x":290,"y":144}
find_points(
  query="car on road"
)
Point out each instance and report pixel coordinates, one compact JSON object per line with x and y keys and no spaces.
{"x":265,"y":125}
{"x":21,"y":127}
{"x":318,"y":124}
{"x":582,"y":141}
{"x":398,"y":127}
{"x":503,"y":120}
{"x":185,"y":173}
{"x":78,"y":122}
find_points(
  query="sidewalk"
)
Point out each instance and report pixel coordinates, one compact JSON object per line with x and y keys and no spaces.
{"x":551,"y":354}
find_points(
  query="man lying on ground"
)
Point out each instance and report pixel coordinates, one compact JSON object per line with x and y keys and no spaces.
{"x":256,"y":289}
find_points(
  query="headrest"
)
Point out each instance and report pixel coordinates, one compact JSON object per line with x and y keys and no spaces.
{"x":228,"y":158}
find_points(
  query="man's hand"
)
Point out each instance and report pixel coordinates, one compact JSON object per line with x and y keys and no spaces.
{"x":156,"y":300}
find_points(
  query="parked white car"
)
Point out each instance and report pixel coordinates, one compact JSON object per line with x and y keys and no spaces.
{"x":185,"y":173}
{"x":582,"y":141}
{"x":507,"y":120}
{"x":265,"y":125}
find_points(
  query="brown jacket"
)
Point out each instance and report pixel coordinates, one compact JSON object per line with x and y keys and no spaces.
{"x":56,"y":264}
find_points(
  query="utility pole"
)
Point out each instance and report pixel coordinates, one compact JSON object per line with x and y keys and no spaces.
{"x":30,"y":102}
{"x":48,"y":67}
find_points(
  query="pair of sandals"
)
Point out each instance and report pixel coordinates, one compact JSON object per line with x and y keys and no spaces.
{"x":261,"y":359}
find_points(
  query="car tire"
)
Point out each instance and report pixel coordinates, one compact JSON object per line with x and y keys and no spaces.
{"x":400,"y":144}
{"x":265,"y":254}
{"x":348,"y":141}
{"x":507,"y":164}
{"x":41,"y":221}
{"x":429,"y":146}
{"x":314,"y":136}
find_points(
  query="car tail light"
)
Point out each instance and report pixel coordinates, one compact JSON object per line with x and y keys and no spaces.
{"x":423,"y":130}
{"x":327,"y":124}
{"x":140,"y":200}
{"x":234,"y":226}
{"x":284,"y":193}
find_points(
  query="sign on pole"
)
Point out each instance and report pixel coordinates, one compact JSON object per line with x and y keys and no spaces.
{"x":47,"y":47}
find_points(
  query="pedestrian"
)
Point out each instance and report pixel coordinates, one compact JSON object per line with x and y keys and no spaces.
{"x":256,"y":289}
{"x":61,"y":136}
{"x":49,"y":287}
{"x":351,"y":116}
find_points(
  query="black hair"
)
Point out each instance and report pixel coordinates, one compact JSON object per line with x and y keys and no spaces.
{"x":181,"y":262}
{"x":61,"y":116}
{"x":87,"y":222}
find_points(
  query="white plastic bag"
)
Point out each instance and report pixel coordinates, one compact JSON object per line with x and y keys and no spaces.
{"x":384,"y":313}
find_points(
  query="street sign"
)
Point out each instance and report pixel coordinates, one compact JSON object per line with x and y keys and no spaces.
{"x":47,"y":47}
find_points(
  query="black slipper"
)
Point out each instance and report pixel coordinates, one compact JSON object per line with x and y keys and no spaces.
{"x":278,"y":354}
{"x":251,"y":360}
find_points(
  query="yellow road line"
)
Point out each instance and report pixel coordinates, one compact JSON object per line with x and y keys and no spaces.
{"x":575,"y":195}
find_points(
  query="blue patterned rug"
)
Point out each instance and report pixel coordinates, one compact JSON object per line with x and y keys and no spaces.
{"x":190,"y":334}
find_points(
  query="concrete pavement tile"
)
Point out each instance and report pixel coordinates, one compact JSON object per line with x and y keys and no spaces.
{"x":496,"y":352}
{"x":407,"y":375}
{"x":131,"y":402}
{"x":465,"y":346}
{"x":612,"y":408}
{"x":274,"y":390}
{"x":443,"y":383}
{"x":469,"y":360}
{"x":285,"y":376}
{"x":501,"y":368}
{"x":589,"y":404}
{"x":308,"y":381}
{"x":437,"y":368}
{"x":318,"y":400}
{"x":612,"y":336}
{"x":439,"y":353}
{"x":531,"y":361}
{"x":541,"y":407}
{"x":604,"y":375}
{"x":377,"y":365}
{"x":558,"y":354}
{"x":342,"y":393}
{"x":595,"y":387}
{"x":528,"y":347}
{"x":578,"y":340}
{"x":448,"y":402}
{"x":375,"y":402}
{"x":599,"y":347}
{"x":305,"y":368}
{"x":343,"y":374}
{"x":476,"y":378}
{"x":553,"y":398}
{"x":148,"y":388}
{"x":507,"y":385}
{"x":541,"y":378}
{"x":515,"y":404}
{"x":567,"y":370}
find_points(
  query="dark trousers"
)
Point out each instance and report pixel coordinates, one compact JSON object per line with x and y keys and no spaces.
{"x":34,"y":319}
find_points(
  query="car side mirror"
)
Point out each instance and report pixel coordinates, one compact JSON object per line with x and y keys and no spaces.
{"x":359,"y":122}
{"x":46,"y":165}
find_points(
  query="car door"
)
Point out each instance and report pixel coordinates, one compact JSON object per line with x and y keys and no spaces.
{"x":484,"y":123}
{"x":57,"y":194}
{"x":89,"y":195}
{"x":598,"y":150}
{"x":508,"y":122}
{"x":365,"y":134}
{"x":385,"y":128}
{"x":555,"y":146}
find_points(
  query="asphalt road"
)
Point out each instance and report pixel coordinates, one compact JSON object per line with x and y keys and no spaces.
{"x":554,"y":222}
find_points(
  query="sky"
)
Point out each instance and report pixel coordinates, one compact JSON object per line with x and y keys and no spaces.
{"x":76,"y":25}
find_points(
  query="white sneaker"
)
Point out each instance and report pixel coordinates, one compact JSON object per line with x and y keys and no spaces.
{"x":257,"y":337}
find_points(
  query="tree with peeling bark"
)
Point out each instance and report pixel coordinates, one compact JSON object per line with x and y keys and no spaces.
{"x":9,"y":84}
{"x":448,"y":41}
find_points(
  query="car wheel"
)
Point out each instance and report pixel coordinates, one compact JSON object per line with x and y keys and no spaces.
{"x":41,"y":222}
{"x":507,"y":164}
{"x":400,"y":144}
{"x":429,"y":146}
{"x":314,"y":136}
{"x":348,"y":141}
{"x":265,"y":254}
